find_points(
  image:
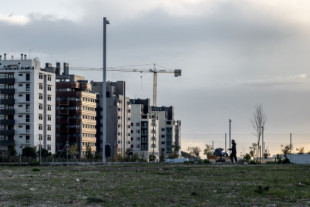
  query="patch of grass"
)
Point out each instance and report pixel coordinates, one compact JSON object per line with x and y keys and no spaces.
{"x":94,"y":200}
{"x":35,"y":170}
{"x":156,"y":185}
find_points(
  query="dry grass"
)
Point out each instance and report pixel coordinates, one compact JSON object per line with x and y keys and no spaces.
{"x":155,"y":185}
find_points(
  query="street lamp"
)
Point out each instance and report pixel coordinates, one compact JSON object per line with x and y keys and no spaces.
{"x":104,"y":88}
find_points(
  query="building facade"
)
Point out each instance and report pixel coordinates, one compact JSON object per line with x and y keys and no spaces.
{"x":75,"y":113}
{"x":169,"y":130}
{"x":144,"y":130}
{"x":27,"y":104}
{"x":118,"y":118}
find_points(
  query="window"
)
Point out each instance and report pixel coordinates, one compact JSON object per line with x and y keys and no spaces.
{"x":20,"y":106}
{"x":27,"y":76}
{"x":20,"y":74}
{"x":162,"y":136}
{"x":20,"y":85}
{"x":40,"y":86}
{"x":49,"y":127}
{"x":27,"y":87}
{"x":40,"y":106}
{"x":27,"y":108}
{"x":49,"y":107}
{"x":49,"y":137}
{"x":40,"y":116}
{"x":49,"y":147}
{"x":27,"y":118}
{"x":49,"y":78}
{"x":40,"y":96}
{"x":27,"y":139}
{"x":20,"y":126}
{"x":49,"y":87}
{"x":40,"y":126}
{"x":49,"y":117}
{"x":20,"y":116}
{"x":27,"y":128}
{"x":40,"y":76}
{"x":163,"y":129}
{"x":27,"y":97}
{"x":49,"y":97}
{"x":40,"y":137}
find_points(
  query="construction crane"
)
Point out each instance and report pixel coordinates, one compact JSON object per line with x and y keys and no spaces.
{"x":176,"y":72}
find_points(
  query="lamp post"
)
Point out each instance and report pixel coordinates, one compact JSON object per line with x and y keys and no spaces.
{"x":104,"y":88}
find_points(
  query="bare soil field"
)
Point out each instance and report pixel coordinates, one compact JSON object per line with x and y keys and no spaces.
{"x":156,"y":185}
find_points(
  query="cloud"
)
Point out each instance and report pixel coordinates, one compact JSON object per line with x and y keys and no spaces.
{"x":289,"y":80}
{"x":15,"y":19}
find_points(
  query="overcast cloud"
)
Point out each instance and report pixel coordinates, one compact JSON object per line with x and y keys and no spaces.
{"x":233,"y":55}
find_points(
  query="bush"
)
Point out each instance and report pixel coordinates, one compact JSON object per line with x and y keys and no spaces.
{"x":35,"y":163}
{"x":206,"y":161}
{"x":286,"y":161}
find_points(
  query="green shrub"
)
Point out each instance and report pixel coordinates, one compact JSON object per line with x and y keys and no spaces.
{"x":206,"y":161}
{"x":35,"y":163}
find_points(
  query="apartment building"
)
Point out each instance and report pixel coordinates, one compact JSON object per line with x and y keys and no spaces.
{"x":118,"y":118}
{"x":27,"y":104}
{"x":169,"y":129}
{"x":75,"y":112}
{"x":144,"y":130}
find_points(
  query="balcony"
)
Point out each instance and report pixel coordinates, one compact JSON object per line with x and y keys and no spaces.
{"x":7,"y":111}
{"x":7,"y":122}
{"x":6,"y":142}
{"x":7,"y":81}
{"x":7,"y":132}
{"x":10,"y":101}
{"x":7,"y":91}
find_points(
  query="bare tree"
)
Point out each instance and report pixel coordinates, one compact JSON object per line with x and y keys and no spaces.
{"x":259,"y":120}
{"x":195,"y":151}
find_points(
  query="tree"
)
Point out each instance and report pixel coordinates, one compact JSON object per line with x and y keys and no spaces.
{"x":195,"y":151}
{"x":253,"y":150}
{"x":286,"y":149}
{"x":29,"y":152}
{"x":301,"y":150}
{"x":247,"y":157}
{"x":266,"y":153}
{"x":208,"y":150}
{"x":259,"y":120}
{"x":175,"y":150}
{"x":88,"y":153}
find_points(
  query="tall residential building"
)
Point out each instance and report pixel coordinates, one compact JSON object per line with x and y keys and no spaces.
{"x":27,"y":104}
{"x":118,"y":118}
{"x":144,"y":130}
{"x":76,"y":112}
{"x":169,"y":129}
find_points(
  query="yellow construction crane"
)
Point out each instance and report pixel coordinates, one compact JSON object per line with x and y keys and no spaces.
{"x":176,"y":72}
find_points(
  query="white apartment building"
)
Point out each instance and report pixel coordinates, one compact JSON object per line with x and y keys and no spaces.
{"x":169,"y":129}
{"x":144,"y":130}
{"x":27,"y":104}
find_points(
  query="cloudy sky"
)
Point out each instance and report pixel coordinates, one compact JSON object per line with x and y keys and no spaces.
{"x":233,"y":55}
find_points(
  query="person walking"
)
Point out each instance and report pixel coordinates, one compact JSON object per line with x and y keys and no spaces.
{"x":233,"y":154}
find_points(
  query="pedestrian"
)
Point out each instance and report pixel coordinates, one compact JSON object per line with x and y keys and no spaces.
{"x":233,"y":154}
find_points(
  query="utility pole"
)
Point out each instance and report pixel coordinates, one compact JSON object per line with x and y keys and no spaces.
{"x":104,"y":92}
{"x":291,"y":144}
{"x":263,"y":144}
{"x":225,"y":143}
{"x":229,"y":133}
